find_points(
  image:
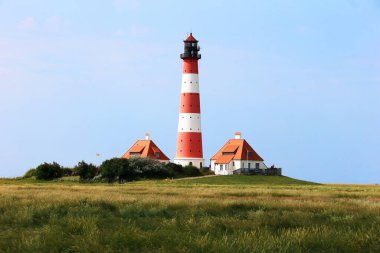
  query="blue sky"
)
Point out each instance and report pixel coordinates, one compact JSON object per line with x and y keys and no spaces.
{"x":299,"y":79}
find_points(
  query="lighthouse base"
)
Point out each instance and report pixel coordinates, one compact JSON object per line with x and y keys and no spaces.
{"x":196,"y":162}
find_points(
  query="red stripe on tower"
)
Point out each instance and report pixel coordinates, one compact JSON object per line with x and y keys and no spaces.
{"x":189,"y":139}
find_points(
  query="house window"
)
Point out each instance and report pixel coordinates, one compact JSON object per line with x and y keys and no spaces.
{"x":200,"y":165}
{"x":157,"y":154}
{"x":190,"y":163}
{"x":233,"y":163}
{"x":249,"y":165}
{"x":221,"y":167}
{"x":257,"y":165}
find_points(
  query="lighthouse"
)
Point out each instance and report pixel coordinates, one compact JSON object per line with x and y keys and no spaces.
{"x":189,"y":139}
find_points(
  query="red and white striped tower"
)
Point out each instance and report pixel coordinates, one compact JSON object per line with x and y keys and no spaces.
{"x":189,"y":140}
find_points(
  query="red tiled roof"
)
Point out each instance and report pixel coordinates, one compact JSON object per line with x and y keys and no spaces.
{"x":136,"y":149}
{"x":230,"y":148}
{"x":224,"y":159}
{"x":243,"y":152}
{"x":147,"y":149}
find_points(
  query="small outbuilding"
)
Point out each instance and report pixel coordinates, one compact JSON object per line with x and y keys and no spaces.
{"x":147,"y":149}
{"x":236,"y":157}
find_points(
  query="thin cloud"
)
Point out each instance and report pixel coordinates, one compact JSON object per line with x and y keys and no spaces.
{"x":28,"y":23}
{"x":120,"y":33}
{"x":53,"y":24}
{"x":50,"y":24}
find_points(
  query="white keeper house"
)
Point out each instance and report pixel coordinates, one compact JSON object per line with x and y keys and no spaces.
{"x":235,"y":157}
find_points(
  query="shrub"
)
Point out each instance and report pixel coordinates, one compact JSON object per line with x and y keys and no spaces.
{"x":148,"y":168}
{"x":191,"y":171}
{"x":67,"y":172}
{"x":48,"y":171}
{"x":206,"y":171}
{"x":30,"y":173}
{"x":85,"y":171}
{"x":174,"y":170}
{"x":117,"y":168}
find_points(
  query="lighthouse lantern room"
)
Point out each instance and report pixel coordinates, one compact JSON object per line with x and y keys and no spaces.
{"x":189,"y":139}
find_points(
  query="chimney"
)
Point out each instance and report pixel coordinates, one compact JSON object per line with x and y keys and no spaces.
{"x":147,"y":136}
{"x":237,"y":135}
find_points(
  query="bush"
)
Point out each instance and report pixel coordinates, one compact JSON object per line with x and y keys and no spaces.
{"x":191,"y":171}
{"x":30,"y":173}
{"x":85,"y":171}
{"x":206,"y":171}
{"x":67,"y":172}
{"x":148,"y":168}
{"x":117,"y":168}
{"x":48,"y":171}
{"x":174,"y":170}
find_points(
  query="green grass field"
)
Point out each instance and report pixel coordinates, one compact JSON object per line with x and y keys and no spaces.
{"x":214,"y":214}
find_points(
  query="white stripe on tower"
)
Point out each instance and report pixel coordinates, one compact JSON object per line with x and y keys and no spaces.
{"x":189,"y":122}
{"x":190,"y":83}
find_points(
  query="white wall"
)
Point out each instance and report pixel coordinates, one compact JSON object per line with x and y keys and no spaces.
{"x":186,"y":161}
{"x":238,"y":164}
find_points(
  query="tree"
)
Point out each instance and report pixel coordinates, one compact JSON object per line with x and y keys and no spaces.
{"x":67,"y":172}
{"x":191,"y":171}
{"x":174,"y":170}
{"x":116,"y":168}
{"x":48,"y":171}
{"x":30,"y":173}
{"x":85,"y":171}
{"x":148,"y":168}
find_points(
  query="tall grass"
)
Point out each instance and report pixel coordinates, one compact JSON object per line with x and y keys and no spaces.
{"x":179,"y":216}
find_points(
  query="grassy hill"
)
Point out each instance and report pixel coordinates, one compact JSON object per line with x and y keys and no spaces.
{"x":248,"y":180}
{"x":214,"y":214}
